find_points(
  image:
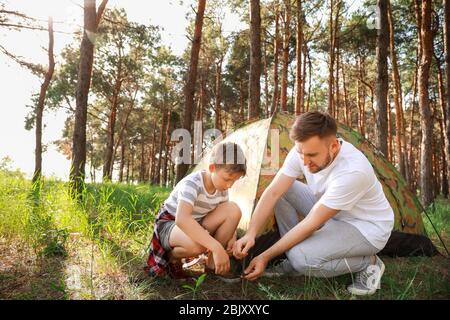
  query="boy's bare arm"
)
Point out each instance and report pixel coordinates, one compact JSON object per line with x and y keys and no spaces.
{"x":186,"y":222}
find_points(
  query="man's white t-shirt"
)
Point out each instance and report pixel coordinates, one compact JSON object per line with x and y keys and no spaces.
{"x":349,"y":184}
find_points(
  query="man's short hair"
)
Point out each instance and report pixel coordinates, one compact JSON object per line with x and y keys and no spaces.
{"x":313,"y":123}
{"x":229,"y":156}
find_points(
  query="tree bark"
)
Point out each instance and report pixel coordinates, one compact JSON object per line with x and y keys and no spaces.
{"x":191,"y":80}
{"x":161,"y":146}
{"x":426,"y":174}
{"x":109,"y":160}
{"x":382,"y":77}
{"x":399,"y":122}
{"x":91,"y":21}
{"x":266,"y":82}
{"x":41,"y":103}
{"x":275,"y":61}
{"x":411,"y":128}
{"x":218,"y":100}
{"x":255,"y":60}
{"x":331,"y":62}
{"x":142,"y":164}
{"x":166,"y":148}
{"x":122,"y":160}
{"x":442,"y":122}
{"x":298,"y":54}
{"x":286,"y":37}
{"x":447,"y":86}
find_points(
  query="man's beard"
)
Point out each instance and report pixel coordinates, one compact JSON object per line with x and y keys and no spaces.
{"x":328,"y":161}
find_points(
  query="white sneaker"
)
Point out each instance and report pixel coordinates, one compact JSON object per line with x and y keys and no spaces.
{"x":368,"y":281}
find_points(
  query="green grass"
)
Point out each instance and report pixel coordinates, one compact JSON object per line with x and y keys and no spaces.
{"x":53,"y":247}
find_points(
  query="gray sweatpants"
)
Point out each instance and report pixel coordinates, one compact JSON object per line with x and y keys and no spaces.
{"x":336,"y":248}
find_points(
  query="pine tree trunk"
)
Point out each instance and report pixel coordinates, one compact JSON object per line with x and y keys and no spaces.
{"x":122,"y":160}
{"x":331,"y":62}
{"x":275,"y":61}
{"x":298,"y":54}
{"x":309,"y":79}
{"x":41,"y":103}
{"x":347,"y":118}
{"x":399,"y":134}
{"x":241,"y":98}
{"x":152,"y":154}
{"x":337,"y":102}
{"x":167,"y":142}
{"x":77,"y":173}
{"x":411,"y":126}
{"x":157,"y":179}
{"x":390,"y":154}
{"x":447,"y":86}
{"x":442,"y":121}
{"x":426,"y":174}
{"x":255,"y":60}
{"x":109,"y":161}
{"x":191,"y":80}
{"x":382,"y":77}
{"x":266,"y":82}
{"x":142,"y":164}
{"x":91,"y":21}
{"x":286,"y":37}
{"x":218,"y":100}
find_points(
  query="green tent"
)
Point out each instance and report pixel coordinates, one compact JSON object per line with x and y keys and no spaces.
{"x":266,"y":144}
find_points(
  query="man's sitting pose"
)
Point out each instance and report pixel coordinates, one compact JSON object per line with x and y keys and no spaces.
{"x":347,"y":218}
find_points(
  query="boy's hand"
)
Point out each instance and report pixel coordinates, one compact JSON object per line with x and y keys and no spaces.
{"x":221,"y":261}
{"x":243,"y":245}
{"x":231,"y":243}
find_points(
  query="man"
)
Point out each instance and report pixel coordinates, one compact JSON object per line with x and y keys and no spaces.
{"x":347,"y":218}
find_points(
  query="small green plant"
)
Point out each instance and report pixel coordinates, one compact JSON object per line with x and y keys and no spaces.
{"x":56,"y":241}
{"x":198,"y":282}
{"x":61,"y":287}
{"x":267,"y":289}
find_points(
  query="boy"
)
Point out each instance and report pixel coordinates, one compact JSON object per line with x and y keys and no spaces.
{"x":198,"y":217}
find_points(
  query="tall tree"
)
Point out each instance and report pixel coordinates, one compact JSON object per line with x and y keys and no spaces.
{"x":447,"y":76}
{"x":399,"y":123}
{"x":182,"y":168}
{"x":255,"y":60}
{"x":41,"y":102}
{"x":286,"y":39}
{"x":382,"y":83}
{"x":91,"y":21}
{"x":298,"y":54}
{"x":275,"y":59}
{"x":426,"y":47}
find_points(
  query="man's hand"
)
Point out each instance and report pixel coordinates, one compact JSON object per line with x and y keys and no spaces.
{"x":243,"y":245}
{"x":256,"y":267}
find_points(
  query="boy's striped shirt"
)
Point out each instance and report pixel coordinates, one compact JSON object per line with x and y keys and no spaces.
{"x":192,"y":190}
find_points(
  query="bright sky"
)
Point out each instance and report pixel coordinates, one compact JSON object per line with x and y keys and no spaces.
{"x":18,"y":84}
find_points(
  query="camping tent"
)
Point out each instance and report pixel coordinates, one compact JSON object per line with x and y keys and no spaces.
{"x":266,"y":144}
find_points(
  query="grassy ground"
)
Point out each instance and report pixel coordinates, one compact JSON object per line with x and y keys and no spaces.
{"x":54,"y":248}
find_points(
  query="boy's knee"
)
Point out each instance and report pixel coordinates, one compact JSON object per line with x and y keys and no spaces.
{"x":233,"y":210}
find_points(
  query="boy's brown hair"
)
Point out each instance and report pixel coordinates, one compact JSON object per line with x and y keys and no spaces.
{"x":313,"y":123}
{"x":229,"y":156}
